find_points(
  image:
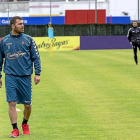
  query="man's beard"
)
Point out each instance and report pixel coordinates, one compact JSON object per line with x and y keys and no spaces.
{"x":18,"y":31}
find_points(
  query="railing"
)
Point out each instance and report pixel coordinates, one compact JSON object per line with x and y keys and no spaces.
{"x":14,"y":6}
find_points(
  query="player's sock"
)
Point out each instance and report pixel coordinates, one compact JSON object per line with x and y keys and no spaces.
{"x":15,"y":126}
{"x":24,"y":121}
{"x":136,"y":59}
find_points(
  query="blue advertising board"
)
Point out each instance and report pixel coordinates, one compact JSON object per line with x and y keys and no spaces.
{"x":60,"y":20}
{"x":36,"y":20}
{"x":118,"y":20}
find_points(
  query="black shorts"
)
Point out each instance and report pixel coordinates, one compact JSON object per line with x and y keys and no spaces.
{"x":136,"y":44}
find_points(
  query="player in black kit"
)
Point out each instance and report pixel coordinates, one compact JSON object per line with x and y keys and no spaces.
{"x":134,"y":39}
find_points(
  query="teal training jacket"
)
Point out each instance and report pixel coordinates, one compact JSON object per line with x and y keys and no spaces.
{"x":20,"y":53}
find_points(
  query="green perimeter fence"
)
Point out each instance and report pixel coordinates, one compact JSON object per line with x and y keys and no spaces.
{"x":72,"y":30}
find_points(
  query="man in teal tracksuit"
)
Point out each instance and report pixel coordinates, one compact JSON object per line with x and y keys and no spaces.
{"x":50,"y":31}
{"x":20,"y":53}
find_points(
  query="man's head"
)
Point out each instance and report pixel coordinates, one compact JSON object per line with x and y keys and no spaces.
{"x":134,"y":23}
{"x":17,"y":25}
{"x":49,"y":24}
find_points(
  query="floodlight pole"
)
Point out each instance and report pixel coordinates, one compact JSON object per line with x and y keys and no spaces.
{"x":95,"y":11}
{"x":89,"y":4}
{"x":50,"y":11}
{"x":8,"y":10}
{"x":138,"y":11}
{"x":108,"y":7}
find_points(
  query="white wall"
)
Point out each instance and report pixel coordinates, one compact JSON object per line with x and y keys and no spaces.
{"x":63,"y":6}
{"x":129,"y":6}
{"x":11,"y":14}
{"x":115,"y":8}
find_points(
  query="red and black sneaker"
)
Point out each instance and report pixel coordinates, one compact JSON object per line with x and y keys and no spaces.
{"x":15,"y":133}
{"x":25,"y":128}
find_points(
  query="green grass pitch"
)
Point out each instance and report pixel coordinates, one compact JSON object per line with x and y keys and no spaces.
{"x":83,"y":95}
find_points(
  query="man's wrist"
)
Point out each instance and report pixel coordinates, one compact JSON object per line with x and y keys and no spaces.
{"x":37,"y":74}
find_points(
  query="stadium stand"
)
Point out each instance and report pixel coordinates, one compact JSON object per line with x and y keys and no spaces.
{"x":47,"y":0}
{"x":14,"y":6}
{"x":23,"y":5}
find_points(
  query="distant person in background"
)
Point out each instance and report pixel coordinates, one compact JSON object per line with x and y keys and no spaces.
{"x":134,"y":39}
{"x":50,"y":35}
{"x":20,"y":53}
{"x":50,"y":31}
